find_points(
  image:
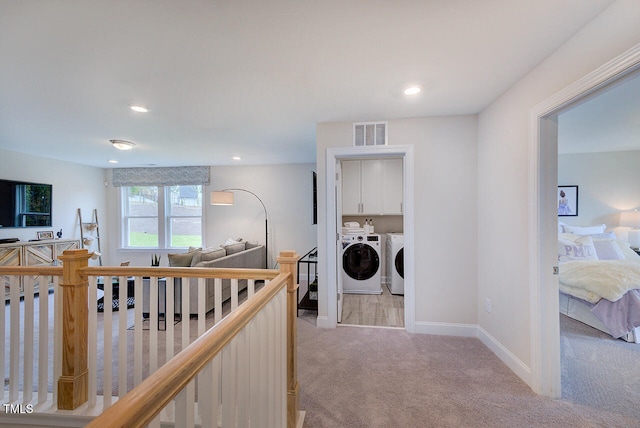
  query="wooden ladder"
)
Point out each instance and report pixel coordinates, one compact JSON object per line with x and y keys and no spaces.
{"x":94,"y":227}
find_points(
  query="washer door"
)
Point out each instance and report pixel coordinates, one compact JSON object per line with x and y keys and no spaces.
{"x":360,"y":261}
{"x":399,"y":262}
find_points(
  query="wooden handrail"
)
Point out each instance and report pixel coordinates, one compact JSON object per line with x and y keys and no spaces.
{"x":180,"y":272}
{"x":31,"y":270}
{"x":139,"y":406}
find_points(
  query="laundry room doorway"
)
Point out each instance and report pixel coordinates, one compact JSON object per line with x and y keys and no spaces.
{"x":370,"y":203}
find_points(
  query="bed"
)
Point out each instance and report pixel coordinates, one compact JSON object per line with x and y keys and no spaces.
{"x":599,"y":283}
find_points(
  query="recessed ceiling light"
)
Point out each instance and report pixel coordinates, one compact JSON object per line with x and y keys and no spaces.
{"x":122,"y":144}
{"x":412,"y":90}
{"x":113,"y":161}
{"x":237,"y":158}
{"x":139,"y":109}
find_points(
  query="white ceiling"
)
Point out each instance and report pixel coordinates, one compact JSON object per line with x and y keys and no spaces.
{"x":252,"y":78}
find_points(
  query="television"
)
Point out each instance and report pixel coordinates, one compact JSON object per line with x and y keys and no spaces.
{"x":24,"y":204}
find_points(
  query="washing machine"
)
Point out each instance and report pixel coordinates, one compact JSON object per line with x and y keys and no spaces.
{"x":395,"y":262}
{"x":362,"y":264}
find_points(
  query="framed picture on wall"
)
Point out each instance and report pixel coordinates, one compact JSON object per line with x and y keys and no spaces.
{"x":45,"y":235}
{"x":567,"y":201}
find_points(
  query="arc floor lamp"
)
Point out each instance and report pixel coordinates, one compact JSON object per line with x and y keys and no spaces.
{"x":225,"y":198}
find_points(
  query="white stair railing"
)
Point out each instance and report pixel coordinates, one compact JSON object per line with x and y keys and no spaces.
{"x":246,"y":380}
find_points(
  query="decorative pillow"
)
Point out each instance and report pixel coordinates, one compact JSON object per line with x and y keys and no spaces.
{"x":234,"y":248}
{"x":608,"y":249}
{"x":231,"y":241}
{"x":251,"y":244}
{"x":606,"y":235}
{"x":182,"y":259}
{"x":211,"y":254}
{"x":561,"y":226}
{"x":584,"y":230}
{"x":574,"y":247}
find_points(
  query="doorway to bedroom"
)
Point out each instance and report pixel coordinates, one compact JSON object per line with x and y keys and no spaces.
{"x":591,"y":367}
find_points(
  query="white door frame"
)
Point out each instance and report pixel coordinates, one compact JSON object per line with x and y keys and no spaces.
{"x":543,"y":235}
{"x":333,"y":155}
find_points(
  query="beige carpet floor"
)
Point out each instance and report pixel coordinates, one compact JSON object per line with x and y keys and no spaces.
{"x":375,"y":377}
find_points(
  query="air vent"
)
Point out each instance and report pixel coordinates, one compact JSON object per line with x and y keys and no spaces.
{"x":370,"y":134}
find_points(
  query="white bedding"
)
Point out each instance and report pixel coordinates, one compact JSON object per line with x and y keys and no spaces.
{"x":592,"y":280}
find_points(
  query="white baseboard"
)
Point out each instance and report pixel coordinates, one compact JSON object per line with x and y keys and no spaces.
{"x":446,"y":329}
{"x":472,"y":330}
{"x":323,"y":322}
{"x":514,"y":363}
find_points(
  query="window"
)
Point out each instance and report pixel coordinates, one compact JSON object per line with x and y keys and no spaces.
{"x":162,"y":216}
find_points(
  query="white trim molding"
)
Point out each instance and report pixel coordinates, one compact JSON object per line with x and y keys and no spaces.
{"x":333,"y":155}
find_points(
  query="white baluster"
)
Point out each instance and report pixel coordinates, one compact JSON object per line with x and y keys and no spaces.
{"x":92,"y":341}
{"x":137,"y":331}
{"x":14,"y":339}
{"x":217,"y":296}
{"x":122,"y":336}
{"x":27,"y":384}
{"x":108,"y":342}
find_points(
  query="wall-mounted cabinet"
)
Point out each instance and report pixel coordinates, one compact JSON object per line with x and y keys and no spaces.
{"x":372,"y":187}
{"x":34,"y":254}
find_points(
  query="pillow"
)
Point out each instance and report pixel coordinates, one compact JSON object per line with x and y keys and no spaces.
{"x":182,"y":259}
{"x":586,"y":230}
{"x":607,"y":249}
{"x":574,"y":247}
{"x":211,"y":254}
{"x":234,"y":248}
{"x":561,"y":226}
{"x":606,"y":235}
{"x":231,"y":241}
{"x":251,"y":244}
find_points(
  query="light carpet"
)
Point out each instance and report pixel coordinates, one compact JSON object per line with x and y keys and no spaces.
{"x":373,"y":377}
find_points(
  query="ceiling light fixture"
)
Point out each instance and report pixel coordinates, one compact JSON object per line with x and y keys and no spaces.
{"x":113,"y":161}
{"x":236,"y":158}
{"x":139,"y":109}
{"x":122,"y":144}
{"x":412,"y":90}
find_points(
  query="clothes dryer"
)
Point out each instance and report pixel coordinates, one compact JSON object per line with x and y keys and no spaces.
{"x":395,"y":262}
{"x":361,"y":264}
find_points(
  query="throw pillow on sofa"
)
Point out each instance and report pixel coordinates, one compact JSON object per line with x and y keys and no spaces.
{"x":182,"y":259}
{"x":234,"y":248}
{"x":207,"y":255}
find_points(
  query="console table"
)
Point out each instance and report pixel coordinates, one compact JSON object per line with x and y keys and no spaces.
{"x":309,"y":259}
{"x":33,"y":253}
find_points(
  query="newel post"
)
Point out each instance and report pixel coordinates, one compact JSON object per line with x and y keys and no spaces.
{"x":73,"y":383}
{"x":288,"y":264}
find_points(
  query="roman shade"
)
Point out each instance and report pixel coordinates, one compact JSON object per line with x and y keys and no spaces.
{"x":161,"y":176}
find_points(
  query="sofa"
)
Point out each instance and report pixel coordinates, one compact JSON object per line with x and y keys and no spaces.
{"x":233,"y":254}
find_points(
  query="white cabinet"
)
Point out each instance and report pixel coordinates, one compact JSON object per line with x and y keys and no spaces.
{"x":392,"y":186}
{"x":372,"y":187}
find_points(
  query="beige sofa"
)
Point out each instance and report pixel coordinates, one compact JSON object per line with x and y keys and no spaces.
{"x":237,"y":255}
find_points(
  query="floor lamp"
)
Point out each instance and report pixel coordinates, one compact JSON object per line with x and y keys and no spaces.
{"x":225,"y":197}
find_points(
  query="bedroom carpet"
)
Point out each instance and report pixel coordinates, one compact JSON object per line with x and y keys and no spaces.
{"x":377,"y":377}
{"x":599,"y":371}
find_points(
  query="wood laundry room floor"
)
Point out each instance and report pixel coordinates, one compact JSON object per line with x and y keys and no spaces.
{"x":382,"y":310}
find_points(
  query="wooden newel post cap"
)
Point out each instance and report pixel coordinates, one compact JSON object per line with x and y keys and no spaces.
{"x":287,"y":256}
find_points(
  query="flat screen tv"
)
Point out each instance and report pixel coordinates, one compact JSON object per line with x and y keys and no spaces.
{"x":24,"y":204}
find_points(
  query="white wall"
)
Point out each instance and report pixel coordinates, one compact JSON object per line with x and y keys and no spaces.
{"x":445,"y":209}
{"x":74,"y":186}
{"x":503,"y":163}
{"x":607,"y":184}
{"x":286,"y":191}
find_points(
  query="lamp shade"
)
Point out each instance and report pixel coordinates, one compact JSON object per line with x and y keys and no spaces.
{"x":630,"y":219}
{"x":221,"y":198}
